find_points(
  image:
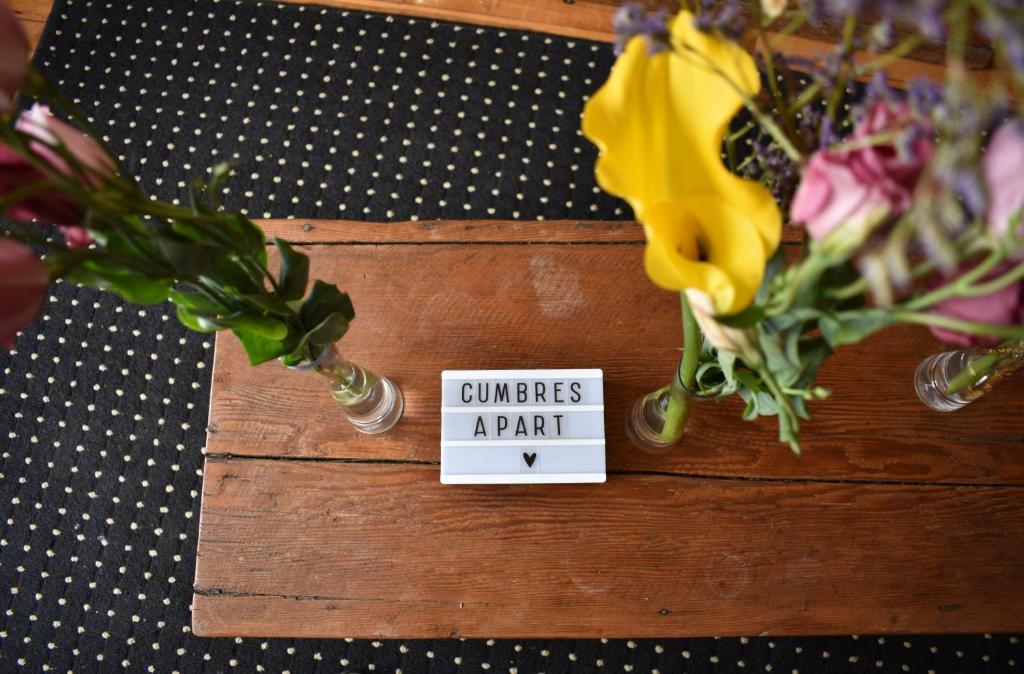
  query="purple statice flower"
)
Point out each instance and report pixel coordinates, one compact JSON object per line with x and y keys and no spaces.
{"x":632,"y":20}
{"x":878,"y":88}
{"x":924,"y":96}
{"x":969,"y":188}
{"x":924,"y":15}
{"x":726,"y":18}
{"x":1004,"y":25}
{"x":881,"y":35}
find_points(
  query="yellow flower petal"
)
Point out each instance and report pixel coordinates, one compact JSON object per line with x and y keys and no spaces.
{"x":659,"y":122}
{"x":705,"y":243}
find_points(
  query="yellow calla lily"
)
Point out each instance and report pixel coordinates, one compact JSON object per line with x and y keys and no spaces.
{"x":659,"y":122}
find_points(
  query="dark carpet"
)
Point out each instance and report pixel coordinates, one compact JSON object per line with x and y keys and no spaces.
{"x":326,"y":114}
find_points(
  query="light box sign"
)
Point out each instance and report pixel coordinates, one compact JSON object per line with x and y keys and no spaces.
{"x":522,"y":426}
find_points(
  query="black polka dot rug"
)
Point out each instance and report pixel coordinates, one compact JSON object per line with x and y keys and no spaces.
{"x":325,"y":114}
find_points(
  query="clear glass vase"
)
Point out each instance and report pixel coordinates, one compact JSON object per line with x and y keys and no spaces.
{"x":657,"y":420}
{"x":371,"y":403}
{"x":948,"y":381}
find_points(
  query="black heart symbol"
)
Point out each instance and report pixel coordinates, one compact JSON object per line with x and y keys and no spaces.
{"x":529,"y":458}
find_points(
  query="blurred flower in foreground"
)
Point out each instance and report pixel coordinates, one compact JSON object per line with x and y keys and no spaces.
{"x":13,"y":56}
{"x":1003,"y":169}
{"x":23,"y":281}
{"x":707,"y":229}
{"x":48,"y":204}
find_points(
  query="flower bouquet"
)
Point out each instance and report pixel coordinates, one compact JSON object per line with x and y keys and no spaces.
{"x":910,"y":200}
{"x":66,"y":199}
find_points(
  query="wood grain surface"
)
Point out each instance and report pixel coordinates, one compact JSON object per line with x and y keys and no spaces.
{"x":312,"y":549}
{"x":425,"y":308}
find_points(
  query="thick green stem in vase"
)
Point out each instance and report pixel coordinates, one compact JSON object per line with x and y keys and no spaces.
{"x":949,"y":381}
{"x":658,"y":419}
{"x":371,"y":403}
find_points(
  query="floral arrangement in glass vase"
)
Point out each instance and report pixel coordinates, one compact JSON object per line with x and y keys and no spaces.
{"x":910,"y":199}
{"x":72,"y":213}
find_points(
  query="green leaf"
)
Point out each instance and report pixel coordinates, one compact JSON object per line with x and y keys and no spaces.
{"x":230,"y":274}
{"x":265,"y":326}
{"x":270,"y":304}
{"x":853,"y":326}
{"x":330,"y":330}
{"x":324,"y":300}
{"x":258,"y":348}
{"x":132,"y":286}
{"x":61,"y":262}
{"x":196,"y":302}
{"x":747,"y":318}
{"x":196,"y":322}
{"x":251,"y":238}
{"x":294,"y":271}
{"x":776,"y":265}
{"x":189,"y":258}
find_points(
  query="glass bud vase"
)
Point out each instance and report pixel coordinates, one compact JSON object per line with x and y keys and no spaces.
{"x":970,"y":373}
{"x":657,"y":420}
{"x":371,"y":403}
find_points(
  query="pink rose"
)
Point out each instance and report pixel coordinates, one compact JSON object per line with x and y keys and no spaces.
{"x":854,"y":187}
{"x":1003,"y":307}
{"x":23,"y":281}
{"x":832,"y":194}
{"x":13,"y":56}
{"x":1003,"y":169}
{"x":51,"y":132}
{"x":50,"y":206}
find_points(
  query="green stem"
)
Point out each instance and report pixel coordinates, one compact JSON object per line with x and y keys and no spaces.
{"x":963,"y":285}
{"x":958,"y":325}
{"x":845,"y":48}
{"x":983,"y":366}
{"x":785,"y":113}
{"x":678,"y":411}
{"x":972,"y":373}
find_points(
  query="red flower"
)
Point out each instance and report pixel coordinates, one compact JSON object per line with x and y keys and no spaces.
{"x":13,"y":56}
{"x":23,"y":281}
{"x":50,"y":205}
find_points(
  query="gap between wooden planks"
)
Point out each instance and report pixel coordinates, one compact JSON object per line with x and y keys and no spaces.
{"x":434,"y":305}
{"x":299,"y":230}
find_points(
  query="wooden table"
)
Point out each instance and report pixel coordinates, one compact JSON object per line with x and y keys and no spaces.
{"x":896,"y":519}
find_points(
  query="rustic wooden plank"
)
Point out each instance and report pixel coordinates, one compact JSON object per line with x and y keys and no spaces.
{"x":31,"y":10}
{"x":425,"y":308}
{"x":298,"y":230}
{"x":318,"y":549}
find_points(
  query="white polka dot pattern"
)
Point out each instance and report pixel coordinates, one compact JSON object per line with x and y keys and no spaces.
{"x":326,"y":114}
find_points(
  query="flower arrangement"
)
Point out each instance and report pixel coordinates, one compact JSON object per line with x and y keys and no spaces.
{"x":911,"y":201}
{"x":72,"y":213}
{"x":210,"y":263}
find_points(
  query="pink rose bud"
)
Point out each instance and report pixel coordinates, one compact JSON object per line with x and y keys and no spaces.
{"x":51,"y":132}
{"x":48,"y":206}
{"x":1003,"y":307}
{"x":51,"y":206}
{"x":1003,"y":169}
{"x":23,"y":281}
{"x":13,"y":57}
{"x":855,"y":187}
